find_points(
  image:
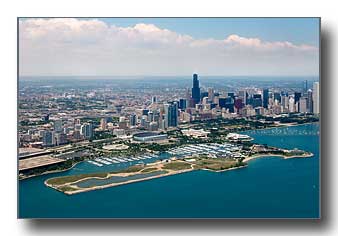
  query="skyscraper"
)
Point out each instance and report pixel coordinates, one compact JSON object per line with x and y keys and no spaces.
{"x":315,"y":96}
{"x":265,"y":98}
{"x":103,"y":123}
{"x":48,"y":138}
{"x":132,"y":119}
{"x":257,"y":100}
{"x":182,"y":104}
{"x":310,"y":101}
{"x":195,"y":91}
{"x":305,"y":86}
{"x":277,"y":96}
{"x":211,"y":94}
{"x":291,"y":104}
{"x":171,"y":114}
{"x":303,"y":105}
{"x":87,"y":130}
{"x":297,"y":97}
{"x":58,"y":125}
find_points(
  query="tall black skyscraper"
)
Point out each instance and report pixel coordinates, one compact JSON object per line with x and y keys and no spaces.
{"x":297,"y":96}
{"x":265,"y":98}
{"x":195,"y":91}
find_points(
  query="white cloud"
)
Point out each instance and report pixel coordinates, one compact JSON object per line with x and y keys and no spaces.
{"x":65,"y":46}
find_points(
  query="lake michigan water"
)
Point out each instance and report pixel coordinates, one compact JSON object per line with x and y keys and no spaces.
{"x":269,"y":187}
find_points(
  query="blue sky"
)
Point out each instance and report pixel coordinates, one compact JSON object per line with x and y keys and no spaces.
{"x":169,"y":46}
{"x":296,"y":30}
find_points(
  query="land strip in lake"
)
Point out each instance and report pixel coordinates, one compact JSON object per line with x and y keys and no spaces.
{"x":88,"y":182}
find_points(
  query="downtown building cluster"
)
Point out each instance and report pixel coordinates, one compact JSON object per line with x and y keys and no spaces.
{"x":203,"y":105}
{"x":162,"y":111}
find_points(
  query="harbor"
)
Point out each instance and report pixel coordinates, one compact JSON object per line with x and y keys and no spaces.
{"x":214,"y":150}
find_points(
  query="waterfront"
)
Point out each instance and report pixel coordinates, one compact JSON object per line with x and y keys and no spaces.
{"x":269,"y":187}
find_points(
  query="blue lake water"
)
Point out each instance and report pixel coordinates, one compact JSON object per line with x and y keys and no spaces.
{"x":268,"y":187}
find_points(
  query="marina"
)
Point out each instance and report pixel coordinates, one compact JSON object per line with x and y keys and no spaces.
{"x":102,"y":161}
{"x":36,"y":200}
{"x":213,"y":149}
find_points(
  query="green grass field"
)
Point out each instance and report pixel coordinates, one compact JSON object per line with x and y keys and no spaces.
{"x":216,"y":164}
{"x":73,"y":178}
{"x":147,"y":170}
{"x":177,"y":166}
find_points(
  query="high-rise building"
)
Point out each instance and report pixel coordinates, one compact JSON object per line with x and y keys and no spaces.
{"x":257,"y":100}
{"x":143,"y":120}
{"x":45,"y":118}
{"x":232,"y":95}
{"x":265,"y":98}
{"x":211,"y":94}
{"x":182,"y":104}
{"x":227,"y":103}
{"x":285,"y":103}
{"x":132,"y":120}
{"x":77,"y":121}
{"x":298,"y":95}
{"x":48,"y":138}
{"x":195,"y":91}
{"x":87,"y":130}
{"x":305,"y":86}
{"x":243,"y":95}
{"x":156,"y":116}
{"x":171,"y":114}
{"x":60,"y":139}
{"x":166,"y":115}
{"x":58,"y":125}
{"x":145,"y":112}
{"x":277,"y":96}
{"x":103,"y":124}
{"x":153,"y":99}
{"x":303,"y":105}
{"x":150,"y":116}
{"x":292,"y":104}
{"x":315,"y":98}
{"x":239,"y":104}
{"x":310,"y":101}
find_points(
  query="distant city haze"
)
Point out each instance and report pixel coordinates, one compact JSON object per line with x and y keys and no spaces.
{"x":113,"y":47}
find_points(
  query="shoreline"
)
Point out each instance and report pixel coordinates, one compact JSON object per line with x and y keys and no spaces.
{"x":231,"y":168}
{"x":50,"y":172}
{"x":278,"y":126}
{"x":169,"y":173}
{"x":247,"y":159}
{"x":81,"y":190}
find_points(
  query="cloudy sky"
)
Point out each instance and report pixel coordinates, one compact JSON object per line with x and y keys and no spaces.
{"x":164,"y":46}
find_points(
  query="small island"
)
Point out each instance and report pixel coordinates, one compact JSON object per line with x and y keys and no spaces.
{"x":93,"y":181}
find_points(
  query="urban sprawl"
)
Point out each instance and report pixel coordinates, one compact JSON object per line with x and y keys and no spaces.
{"x":59,"y":127}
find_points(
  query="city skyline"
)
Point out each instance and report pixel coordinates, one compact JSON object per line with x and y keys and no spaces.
{"x":134,"y":47}
{"x":96,"y":138}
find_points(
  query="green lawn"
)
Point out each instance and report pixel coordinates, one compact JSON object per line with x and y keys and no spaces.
{"x":216,"y":164}
{"x":147,"y":170}
{"x":177,"y":166}
{"x":73,"y":178}
{"x":66,"y":188}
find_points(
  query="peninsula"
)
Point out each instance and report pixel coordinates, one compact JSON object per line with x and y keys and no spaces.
{"x":93,"y":181}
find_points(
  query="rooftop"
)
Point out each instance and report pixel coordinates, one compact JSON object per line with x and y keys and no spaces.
{"x":39,"y":161}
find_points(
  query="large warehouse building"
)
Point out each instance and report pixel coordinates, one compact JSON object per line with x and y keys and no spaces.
{"x":149,"y":137}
